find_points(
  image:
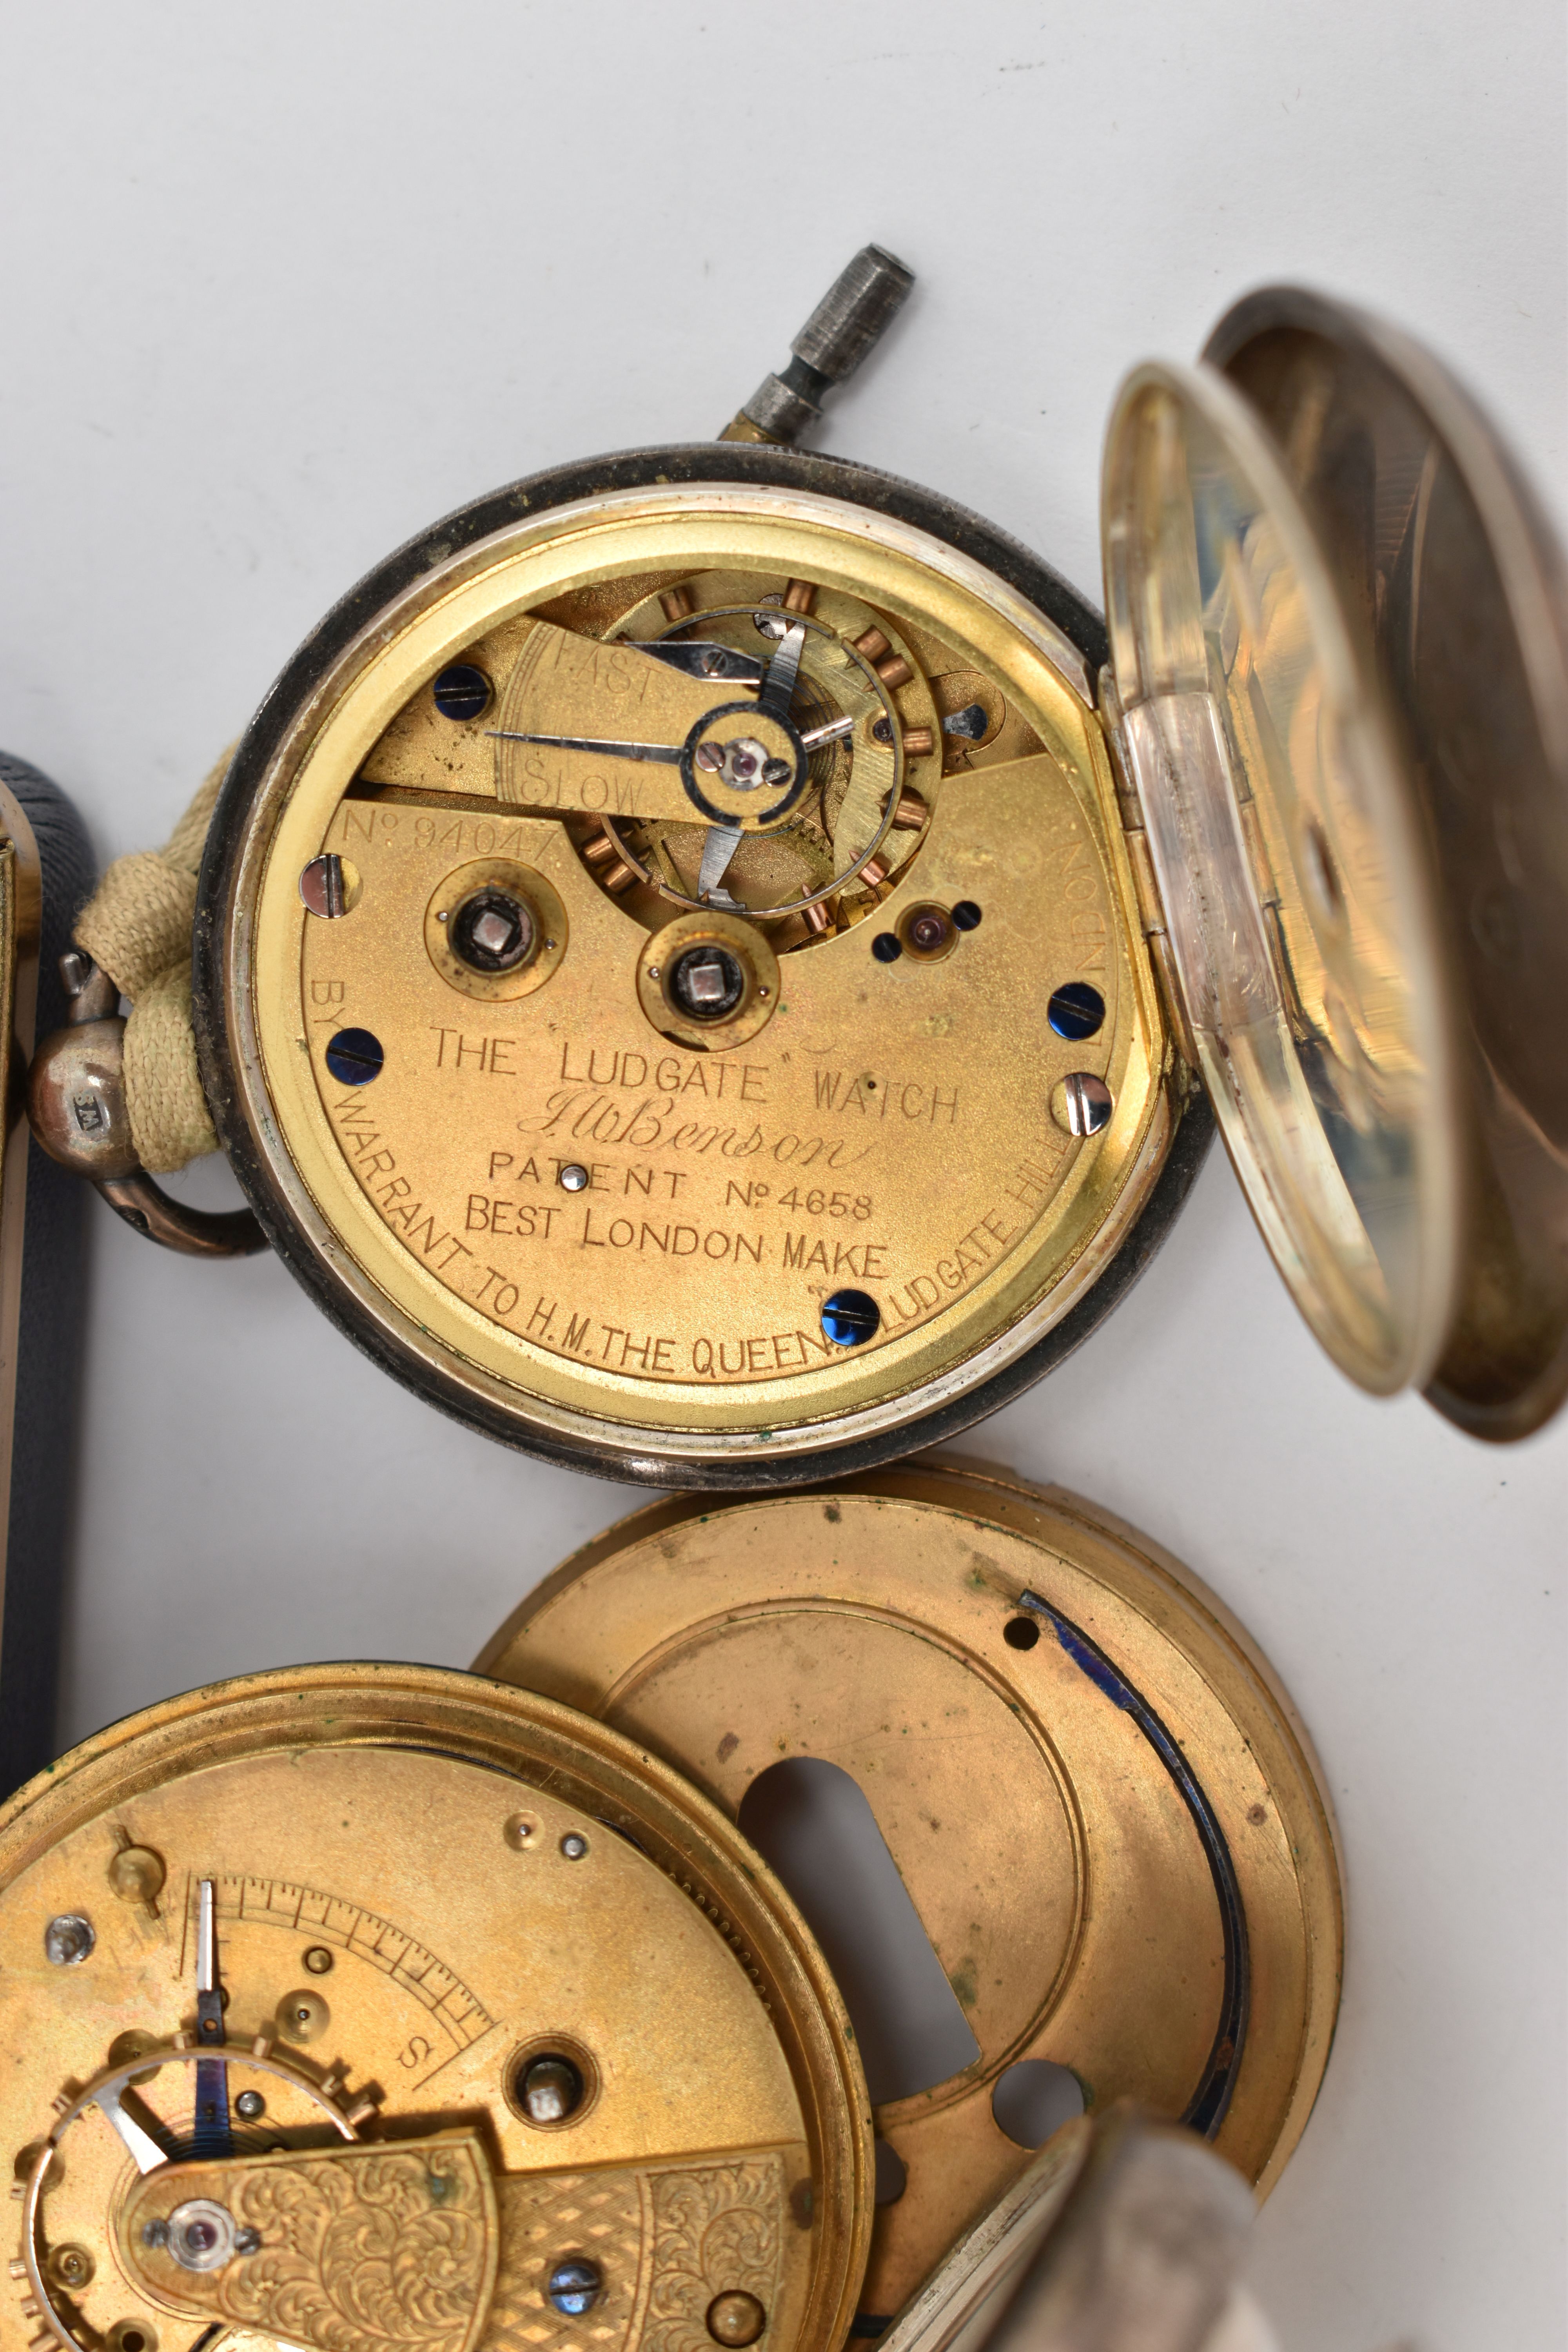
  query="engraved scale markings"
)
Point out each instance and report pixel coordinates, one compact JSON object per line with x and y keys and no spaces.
{"x":278,"y":1902}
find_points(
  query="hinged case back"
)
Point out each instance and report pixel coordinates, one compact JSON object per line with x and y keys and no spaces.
{"x":1449,"y":573}
{"x":1300,"y":903}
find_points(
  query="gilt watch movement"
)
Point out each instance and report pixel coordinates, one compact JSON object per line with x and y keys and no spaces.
{"x":715,"y":964}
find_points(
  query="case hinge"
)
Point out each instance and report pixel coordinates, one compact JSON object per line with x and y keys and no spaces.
{"x":1151,"y":913}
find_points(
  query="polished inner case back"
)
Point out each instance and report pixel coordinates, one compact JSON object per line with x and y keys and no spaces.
{"x":1454,"y":587}
{"x":1098,"y":1799}
{"x":709,"y":963}
{"x":358,"y":2006}
{"x":1339,"y":642}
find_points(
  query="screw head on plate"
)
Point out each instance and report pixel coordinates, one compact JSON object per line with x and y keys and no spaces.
{"x":461,"y":692}
{"x":330,"y":886}
{"x":1075,"y":1011}
{"x":355,"y":1057}
{"x":573,"y":2286}
{"x":68,"y":1939}
{"x":850,"y":1318}
{"x":1081,"y":1103}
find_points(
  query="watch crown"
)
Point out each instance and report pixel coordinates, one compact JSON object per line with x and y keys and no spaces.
{"x":854,"y":313}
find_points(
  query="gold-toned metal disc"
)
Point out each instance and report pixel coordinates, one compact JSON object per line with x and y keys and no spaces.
{"x":1292,"y":870}
{"x":492,"y":1981}
{"x":601,"y":1217}
{"x":1095,"y":1791}
{"x":1447,"y":568}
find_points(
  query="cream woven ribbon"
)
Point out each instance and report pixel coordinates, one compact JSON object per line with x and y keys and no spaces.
{"x":137,"y":929}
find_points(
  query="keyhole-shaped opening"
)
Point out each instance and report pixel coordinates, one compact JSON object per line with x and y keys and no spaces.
{"x":810,"y":1821}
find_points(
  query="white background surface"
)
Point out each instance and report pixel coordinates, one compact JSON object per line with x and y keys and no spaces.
{"x":283,"y":284}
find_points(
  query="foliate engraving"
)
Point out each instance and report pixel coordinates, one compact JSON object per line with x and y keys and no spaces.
{"x":665,"y":2243}
{"x":418,"y":2250}
{"x":359,"y":2252}
{"x":714,"y":2231}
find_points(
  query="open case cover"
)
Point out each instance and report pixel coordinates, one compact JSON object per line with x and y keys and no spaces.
{"x":1339,"y":688}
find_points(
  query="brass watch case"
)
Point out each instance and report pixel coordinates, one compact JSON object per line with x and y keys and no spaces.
{"x":1339,"y":625}
{"x":1116,"y":1835}
{"x":421,"y":1877}
{"x":1300,"y":822}
{"x":722,"y":1410}
{"x":1454,"y":585}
